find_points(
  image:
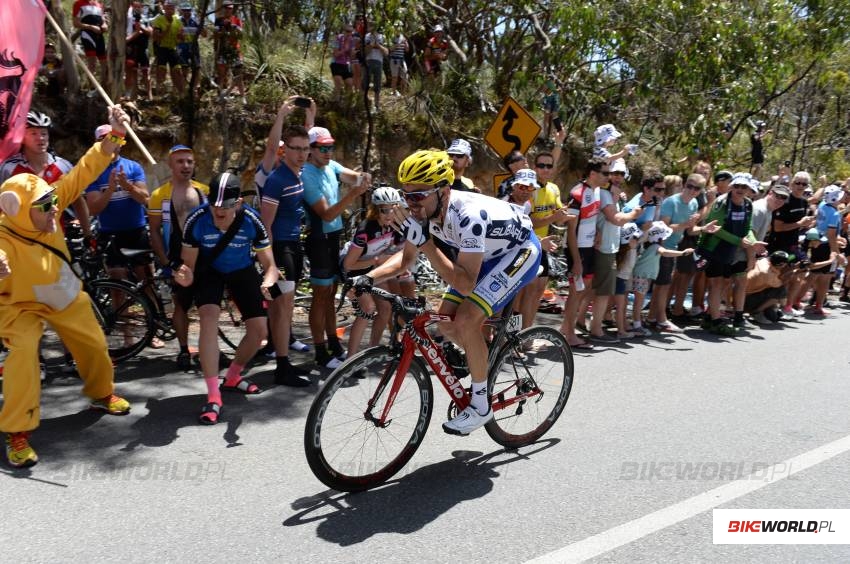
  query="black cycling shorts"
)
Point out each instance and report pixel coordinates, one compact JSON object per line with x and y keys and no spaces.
{"x":244,"y":286}
{"x":166,"y":57}
{"x":323,"y":253}
{"x":289,"y":257}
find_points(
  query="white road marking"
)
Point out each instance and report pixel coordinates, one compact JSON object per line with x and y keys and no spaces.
{"x":626,"y":533}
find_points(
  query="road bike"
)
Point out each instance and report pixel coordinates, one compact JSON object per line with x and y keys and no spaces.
{"x":372,"y":414}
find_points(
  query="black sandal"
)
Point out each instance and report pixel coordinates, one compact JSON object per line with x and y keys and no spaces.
{"x":209,"y":414}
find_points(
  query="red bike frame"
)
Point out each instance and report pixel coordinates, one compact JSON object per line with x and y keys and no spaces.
{"x":433,"y":355}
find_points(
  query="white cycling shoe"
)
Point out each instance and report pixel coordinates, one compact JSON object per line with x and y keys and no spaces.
{"x":467,"y":421}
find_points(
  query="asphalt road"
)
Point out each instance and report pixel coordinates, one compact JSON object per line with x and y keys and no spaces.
{"x":602,"y":484}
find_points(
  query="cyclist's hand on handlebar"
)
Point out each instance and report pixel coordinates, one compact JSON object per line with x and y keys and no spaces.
{"x":184,"y":276}
{"x":362,"y":283}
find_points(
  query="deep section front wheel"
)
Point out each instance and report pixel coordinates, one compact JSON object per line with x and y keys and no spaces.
{"x":347,"y":448}
{"x":529,"y":384}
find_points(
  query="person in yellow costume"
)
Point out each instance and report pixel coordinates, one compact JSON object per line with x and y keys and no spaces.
{"x":37,"y":286}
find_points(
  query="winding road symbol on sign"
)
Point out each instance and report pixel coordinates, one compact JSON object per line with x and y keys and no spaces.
{"x":513,"y":129}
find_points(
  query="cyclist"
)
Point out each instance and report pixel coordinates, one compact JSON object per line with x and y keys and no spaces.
{"x":498,"y":254}
{"x":36,"y":158}
{"x":38,"y":287}
{"x":217,"y":245}
{"x":373,"y":243}
{"x":169,"y":207}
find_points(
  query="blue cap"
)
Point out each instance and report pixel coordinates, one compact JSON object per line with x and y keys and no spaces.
{"x":178,"y":148}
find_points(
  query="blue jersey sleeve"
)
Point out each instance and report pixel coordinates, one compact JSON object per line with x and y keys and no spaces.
{"x":134,"y":171}
{"x":311,"y":179}
{"x":260,"y":240}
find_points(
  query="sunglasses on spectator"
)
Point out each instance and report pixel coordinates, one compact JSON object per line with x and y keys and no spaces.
{"x":545,"y":165}
{"x":418,"y":196}
{"x":659,"y":189}
{"x":455,"y":156}
{"x":300,"y":149}
{"x":324,"y":149}
{"x":780,"y":196}
{"x":385,"y":211}
{"x":47,"y":205}
{"x":801,"y":183}
{"x":603,"y":172}
{"x":617,"y":173}
{"x":524,"y":187}
{"x":693,"y":187}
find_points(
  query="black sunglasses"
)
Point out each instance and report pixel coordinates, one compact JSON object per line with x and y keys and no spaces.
{"x":545,"y":165}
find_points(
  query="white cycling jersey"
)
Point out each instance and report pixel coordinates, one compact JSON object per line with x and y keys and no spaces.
{"x":476,"y":223}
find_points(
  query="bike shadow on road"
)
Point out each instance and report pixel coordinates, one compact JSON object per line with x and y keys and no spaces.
{"x":405,"y":505}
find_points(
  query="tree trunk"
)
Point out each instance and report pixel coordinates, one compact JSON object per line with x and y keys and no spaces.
{"x":72,"y":77}
{"x":117,"y":48}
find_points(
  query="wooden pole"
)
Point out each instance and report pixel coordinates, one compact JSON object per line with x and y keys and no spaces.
{"x":98,"y":87}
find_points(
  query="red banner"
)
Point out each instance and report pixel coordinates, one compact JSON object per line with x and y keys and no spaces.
{"x":21,"y":52}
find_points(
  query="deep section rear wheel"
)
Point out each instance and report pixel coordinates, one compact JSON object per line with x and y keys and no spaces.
{"x":529,"y":385}
{"x":347,"y":449}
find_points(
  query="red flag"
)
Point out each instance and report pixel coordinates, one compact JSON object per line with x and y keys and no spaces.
{"x":21,"y":51}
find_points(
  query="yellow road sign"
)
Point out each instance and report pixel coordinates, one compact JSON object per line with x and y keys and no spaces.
{"x":497,"y":179}
{"x":513,"y":130}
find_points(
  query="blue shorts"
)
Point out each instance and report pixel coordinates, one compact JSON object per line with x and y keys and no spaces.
{"x":500,"y":279}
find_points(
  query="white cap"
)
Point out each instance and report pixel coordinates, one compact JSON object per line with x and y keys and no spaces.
{"x":605,"y":133}
{"x":320,"y":135}
{"x":460,"y":147}
{"x":619,"y":165}
{"x":437,"y":28}
{"x":658,"y":232}
{"x":526,"y":177}
{"x":832,"y":194}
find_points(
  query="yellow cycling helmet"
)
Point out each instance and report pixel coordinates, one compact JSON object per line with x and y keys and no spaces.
{"x":426,"y":167}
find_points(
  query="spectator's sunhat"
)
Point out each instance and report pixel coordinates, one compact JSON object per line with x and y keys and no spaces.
{"x":658,"y":232}
{"x":460,"y":147}
{"x":722,"y":175}
{"x":437,"y":28}
{"x":741,"y":179}
{"x":619,"y":165}
{"x":605,"y":133}
{"x":781,"y":190}
{"x":630,"y":231}
{"x":832,"y":194}
{"x":814,"y":235}
{"x":526,"y":177}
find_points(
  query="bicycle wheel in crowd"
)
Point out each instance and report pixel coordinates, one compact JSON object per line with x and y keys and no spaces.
{"x":529,"y":382}
{"x":346,"y":449}
{"x":125,"y":315}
